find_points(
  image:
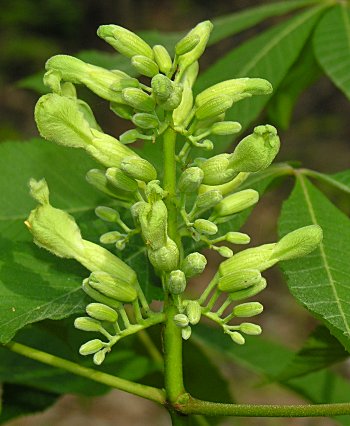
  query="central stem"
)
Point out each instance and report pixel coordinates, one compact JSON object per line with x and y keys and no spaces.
{"x":173,"y":377}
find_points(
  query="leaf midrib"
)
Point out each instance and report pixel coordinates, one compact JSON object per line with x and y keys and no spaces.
{"x":323,"y":254}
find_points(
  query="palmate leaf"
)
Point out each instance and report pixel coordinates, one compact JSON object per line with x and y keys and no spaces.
{"x":332,"y":46}
{"x":320,"y":281}
{"x":340,"y":180}
{"x":269,"y":55}
{"x":35,"y":285}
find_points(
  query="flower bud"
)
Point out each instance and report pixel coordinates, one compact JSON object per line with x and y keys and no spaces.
{"x":138,"y":168}
{"x":216,"y":170}
{"x":39,"y":191}
{"x":193,"y":264}
{"x":174,"y":100}
{"x":52,"y":79}
{"x":205,"y":226}
{"x":145,"y":65}
{"x":250,"y":328}
{"x":237,"y":337}
{"x":111,"y":287}
{"x":120,"y":244}
{"x":97,"y":178}
{"x":190,"y":180}
{"x":96,"y":295}
{"x":177,"y":282}
{"x":91,"y":347}
{"x":154,"y":192}
{"x":239,"y":280}
{"x":225,"y":128}
{"x":121,"y":110}
{"x":101,"y":312}
{"x":120,"y":180}
{"x":129,"y":136}
{"x":99,"y":357}
{"x":236,"y":89}
{"x":298,"y":243}
{"x":237,"y":202}
{"x":153,"y":220}
{"x":259,"y":258}
{"x":124,"y":83}
{"x":111,"y":237}
{"x":248,"y":292}
{"x":107,"y":214}
{"x":224,"y":251}
{"x":181,"y":320}
{"x":145,"y":120}
{"x":193,"y":311}
{"x":162,"y":87}
{"x":138,"y":99}
{"x":202,"y":30}
{"x":237,"y":238}
{"x":256,"y":151}
{"x":87,"y":324}
{"x":249,"y":309}
{"x":186,"y":332}
{"x":208,"y":200}
{"x":166,"y":258}
{"x":182,"y":111}
{"x":186,"y":44}
{"x":213,"y":107}
{"x":162,"y":58}
{"x":124,"y":41}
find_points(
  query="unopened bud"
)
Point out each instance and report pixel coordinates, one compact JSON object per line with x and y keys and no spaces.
{"x":162,"y":58}
{"x":213,"y":107}
{"x":177,"y":282}
{"x":205,"y":226}
{"x":249,"y":309}
{"x":250,"y":328}
{"x":190,"y":180}
{"x":181,"y":320}
{"x":107,"y":214}
{"x":111,"y":237}
{"x":166,"y":258}
{"x":237,"y":238}
{"x":248,"y":292}
{"x":124,"y":83}
{"x":97,"y":178}
{"x":153,"y":221}
{"x":186,"y":44}
{"x":194,"y":264}
{"x":256,"y":151}
{"x":224,"y":251}
{"x":122,"y":111}
{"x":138,"y":99}
{"x":298,"y":243}
{"x":138,"y":168}
{"x":208,"y":200}
{"x":145,"y":65}
{"x":162,"y":87}
{"x":174,"y":100}
{"x":129,"y":136}
{"x":96,"y":295}
{"x":216,"y":170}
{"x":193,"y":311}
{"x":239,"y":280}
{"x":225,"y":128}
{"x":186,"y":332}
{"x":99,"y":357}
{"x":101,"y":312}
{"x":145,"y":120}
{"x":182,"y":111}
{"x":111,"y":287}
{"x":87,"y":324}
{"x":237,"y":337}
{"x":124,"y":41}
{"x":120,"y":180}
{"x":237,"y":202}
{"x":91,"y":347}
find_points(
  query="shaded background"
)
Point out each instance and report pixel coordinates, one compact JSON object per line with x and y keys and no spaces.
{"x":32,"y":31}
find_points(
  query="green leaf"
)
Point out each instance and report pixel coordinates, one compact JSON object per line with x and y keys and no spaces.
{"x":33,"y":283}
{"x":320,"y":281}
{"x":319,"y":351}
{"x":332,"y":46}
{"x":20,"y":400}
{"x":340,"y":180}
{"x":269,"y":55}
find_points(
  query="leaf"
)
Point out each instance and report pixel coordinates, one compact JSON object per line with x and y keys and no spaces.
{"x":332,"y":47}
{"x":33,"y":283}
{"x":340,"y":180}
{"x":320,"y":351}
{"x":20,"y":400}
{"x":269,"y":55}
{"x":269,"y":358}
{"x":320,"y":281}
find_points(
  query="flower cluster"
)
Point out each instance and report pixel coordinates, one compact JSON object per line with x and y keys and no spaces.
{"x":207,"y":191}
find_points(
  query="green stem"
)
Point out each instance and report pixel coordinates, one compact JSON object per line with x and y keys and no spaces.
{"x":148,"y":392}
{"x":209,"y":288}
{"x":196,"y":406}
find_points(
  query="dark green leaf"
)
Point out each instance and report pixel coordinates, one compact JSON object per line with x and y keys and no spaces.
{"x":18,"y":400}
{"x":340,"y":180}
{"x":332,"y":46}
{"x":320,"y":351}
{"x":320,"y":281}
{"x":269,"y":55}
